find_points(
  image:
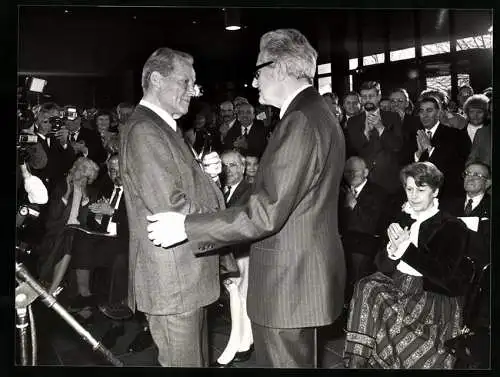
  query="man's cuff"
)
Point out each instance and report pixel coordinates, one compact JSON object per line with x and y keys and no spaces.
{"x":64,"y":201}
{"x":430,"y":151}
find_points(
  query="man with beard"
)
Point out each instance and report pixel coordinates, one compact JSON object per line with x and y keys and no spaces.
{"x":376,"y":136}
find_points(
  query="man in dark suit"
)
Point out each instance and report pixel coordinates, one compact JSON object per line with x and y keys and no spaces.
{"x":59,"y":151}
{"x":236,"y":192}
{"x":87,"y":142}
{"x":362,"y":219}
{"x":444,"y":146}
{"x":297,"y":266}
{"x":160,"y":172}
{"x":247,"y":134}
{"x":376,"y":136}
{"x":400,"y":104}
{"x":475,"y":203}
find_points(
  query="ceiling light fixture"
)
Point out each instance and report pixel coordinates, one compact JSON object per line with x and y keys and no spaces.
{"x":232,"y":19}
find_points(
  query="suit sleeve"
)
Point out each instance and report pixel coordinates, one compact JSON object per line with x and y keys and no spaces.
{"x":273,"y":200}
{"x":441,"y":259}
{"x":157,"y":173}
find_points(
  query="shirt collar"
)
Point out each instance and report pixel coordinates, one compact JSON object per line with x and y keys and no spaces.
{"x":290,"y":98}
{"x":475,"y":200}
{"x":247,"y":127}
{"x":160,"y":112}
{"x":470,"y":125}
{"x":433,"y":129}
{"x":360,"y":187}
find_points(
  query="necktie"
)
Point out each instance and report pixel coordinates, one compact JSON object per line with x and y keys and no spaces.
{"x":429,"y":134}
{"x":245,"y":131}
{"x":227,"y":190}
{"x":73,"y":137}
{"x":114,"y":200}
{"x":468,"y":208}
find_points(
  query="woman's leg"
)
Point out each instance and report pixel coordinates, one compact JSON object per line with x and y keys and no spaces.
{"x":59,"y":272}
{"x":235,"y":308}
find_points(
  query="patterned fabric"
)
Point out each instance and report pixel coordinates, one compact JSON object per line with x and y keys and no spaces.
{"x":395,"y":324}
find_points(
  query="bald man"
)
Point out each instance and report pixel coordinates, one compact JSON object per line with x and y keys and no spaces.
{"x":361,"y":220}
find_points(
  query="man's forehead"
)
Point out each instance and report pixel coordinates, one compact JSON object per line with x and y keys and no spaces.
{"x":368,"y":91}
{"x":227,"y":106}
{"x":351,"y":97}
{"x":477,"y":168}
{"x":397,"y":95}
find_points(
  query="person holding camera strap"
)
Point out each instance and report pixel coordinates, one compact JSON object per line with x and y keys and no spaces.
{"x":53,"y":137}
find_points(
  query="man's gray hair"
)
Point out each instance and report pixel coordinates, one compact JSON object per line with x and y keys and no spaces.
{"x":163,"y":61}
{"x":291,"y":49}
{"x":233,"y":152}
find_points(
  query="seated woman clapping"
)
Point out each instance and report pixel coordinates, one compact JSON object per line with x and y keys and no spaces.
{"x":401,"y":319}
{"x":68,"y":205}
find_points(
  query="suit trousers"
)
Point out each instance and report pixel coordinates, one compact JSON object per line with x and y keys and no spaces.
{"x":182,"y":339}
{"x":285,"y":348}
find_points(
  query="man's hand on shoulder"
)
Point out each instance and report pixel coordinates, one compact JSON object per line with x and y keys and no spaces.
{"x":166,"y":228}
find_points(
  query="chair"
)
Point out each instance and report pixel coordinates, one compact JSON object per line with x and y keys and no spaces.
{"x":465,"y":346}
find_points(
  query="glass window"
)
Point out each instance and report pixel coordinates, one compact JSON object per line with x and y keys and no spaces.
{"x":353,"y":63}
{"x":463,"y":79}
{"x":436,"y":48}
{"x":324,"y":68}
{"x":373,"y":59}
{"x":324,"y":84}
{"x":479,"y":41}
{"x":407,"y":53}
{"x":439,"y":82}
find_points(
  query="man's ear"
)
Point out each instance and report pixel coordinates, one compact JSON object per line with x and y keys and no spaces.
{"x":435,"y":193}
{"x":487,"y":185}
{"x":155,"y":79}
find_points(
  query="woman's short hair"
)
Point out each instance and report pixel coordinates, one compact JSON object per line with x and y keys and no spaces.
{"x":476,"y":101}
{"x":424,"y":173}
{"x":290,"y":49}
{"x":163,"y":60}
{"x":84,"y":167}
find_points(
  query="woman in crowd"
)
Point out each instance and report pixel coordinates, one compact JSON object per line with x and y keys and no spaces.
{"x":68,"y":205}
{"x":402,"y":319}
{"x":251,"y":166}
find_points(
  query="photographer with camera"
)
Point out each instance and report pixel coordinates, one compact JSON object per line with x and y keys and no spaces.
{"x":53,"y":139}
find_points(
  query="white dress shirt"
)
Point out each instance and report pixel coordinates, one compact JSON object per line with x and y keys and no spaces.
{"x":475,"y":200}
{"x":471,"y":131}
{"x":232,"y":190}
{"x":161,"y":113}
{"x":358,"y":189}
{"x":290,"y":98}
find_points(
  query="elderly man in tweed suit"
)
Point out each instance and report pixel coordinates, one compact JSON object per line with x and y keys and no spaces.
{"x":160,"y":173}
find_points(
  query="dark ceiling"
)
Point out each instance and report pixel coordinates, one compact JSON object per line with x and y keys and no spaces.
{"x":104,"y":40}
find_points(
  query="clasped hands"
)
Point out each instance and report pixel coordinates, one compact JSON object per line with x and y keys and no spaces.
{"x":397,"y":236}
{"x":102,"y":206}
{"x":423,"y":141}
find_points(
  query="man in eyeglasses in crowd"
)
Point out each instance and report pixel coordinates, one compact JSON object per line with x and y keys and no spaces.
{"x":297,"y":268}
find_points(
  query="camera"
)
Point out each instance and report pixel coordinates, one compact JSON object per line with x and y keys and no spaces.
{"x":56,"y":123}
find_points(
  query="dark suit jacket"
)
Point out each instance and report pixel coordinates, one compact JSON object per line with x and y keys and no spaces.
{"x":256,"y":138}
{"x":228,"y":264}
{"x":104,"y":187}
{"x":481,"y":147}
{"x":160,"y":174}
{"x":411,"y":124}
{"x":92,"y":140}
{"x":443,"y":244}
{"x":381,"y":153}
{"x":362,"y":225}
{"x":297,"y":267}
{"x":449,"y":155}
{"x":59,"y":161}
{"x":479,"y":247}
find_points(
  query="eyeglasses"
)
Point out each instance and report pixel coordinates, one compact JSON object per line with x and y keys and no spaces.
{"x":398,"y":100}
{"x":473,"y":175}
{"x":259,"y":67}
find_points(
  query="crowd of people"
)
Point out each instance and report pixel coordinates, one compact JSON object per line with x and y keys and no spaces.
{"x":302,"y":207}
